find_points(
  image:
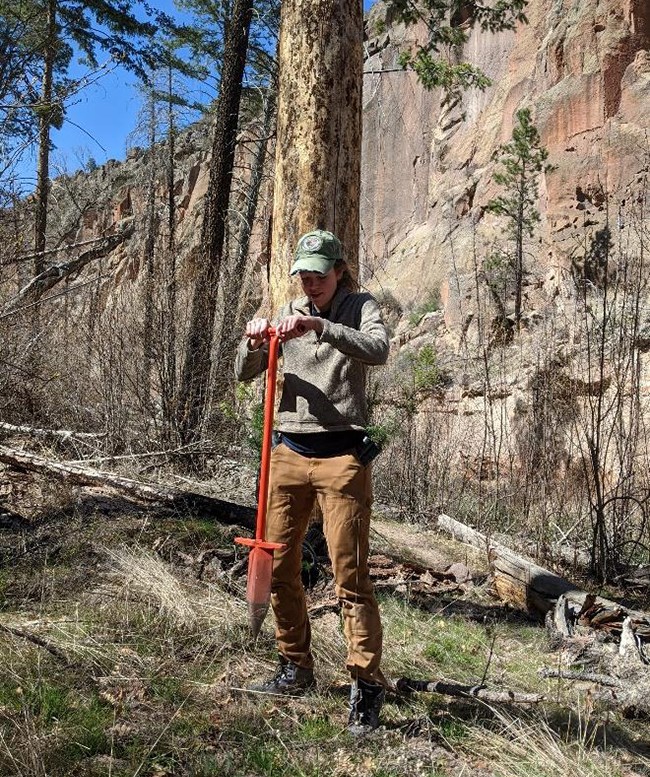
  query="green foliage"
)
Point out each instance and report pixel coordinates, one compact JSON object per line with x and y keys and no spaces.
{"x":454,"y":731}
{"x":267,"y":759}
{"x":446,"y":21}
{"x":430,"y":305}
{"x":247,"y":413}
{"x":318,"y":728}
{"x":51,"y":705}
{"x":256,"y":429}
{"x":434,"y":72}
{"x":425,"y":369}
{"x":381,"y":433}
{"x":458,"y":646}
{"x":203,"y":37}
{"x":522,"y":160}
{"x":32,"y":47}
{"x":380,"y":26}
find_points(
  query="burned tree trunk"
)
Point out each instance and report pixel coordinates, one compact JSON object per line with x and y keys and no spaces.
{"x":195,"y":376}
{"x":318,"y":153}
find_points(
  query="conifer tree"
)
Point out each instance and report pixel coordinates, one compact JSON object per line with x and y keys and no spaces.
{"x":53,"y":31}
{"x":195,"y":375}
{"x":447,"y":22}
{"x":522,"y":161}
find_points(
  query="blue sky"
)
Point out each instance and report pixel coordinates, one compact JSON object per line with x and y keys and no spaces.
{"x":100,"y":122}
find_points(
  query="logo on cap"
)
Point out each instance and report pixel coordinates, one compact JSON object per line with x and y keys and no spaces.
{"x":312,"y":243}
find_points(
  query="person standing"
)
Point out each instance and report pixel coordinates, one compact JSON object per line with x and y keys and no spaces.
{"x":328,"y":339}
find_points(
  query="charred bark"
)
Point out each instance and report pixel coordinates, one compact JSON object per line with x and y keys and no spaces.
{"x":318,"y":151}
{"x":195,"y":376}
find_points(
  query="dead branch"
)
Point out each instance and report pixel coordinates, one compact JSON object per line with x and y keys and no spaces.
{"x":57,"y":250}
{"x":211,"y":507}
{"x":452,"y":688}
{"x":53,"y":275}
{"x":36,"y":640}
{"x":62,"y":434}
{"x":182,"y":450}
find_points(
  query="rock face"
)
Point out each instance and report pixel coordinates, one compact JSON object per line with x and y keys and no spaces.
{"x":522,"y":404}
{"x":582,"y":67}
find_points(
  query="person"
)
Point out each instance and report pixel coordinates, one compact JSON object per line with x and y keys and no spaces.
{"x":328,"y":338}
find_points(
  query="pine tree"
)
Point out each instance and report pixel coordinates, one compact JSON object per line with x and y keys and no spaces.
{"x":53,"y":31}
{"x":447,"y":22}
{"x":195,"y":375}
{"x":522,"y":161}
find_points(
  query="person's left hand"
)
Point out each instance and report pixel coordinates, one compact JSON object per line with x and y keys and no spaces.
{"x":297,"y":326}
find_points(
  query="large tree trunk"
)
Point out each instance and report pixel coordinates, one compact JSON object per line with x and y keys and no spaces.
{"x":318,"y":156}
{"x":235,"y":286}
{"x":168,"y":368}
{"x":148,"y":326}
{"x":45,"y":119}
{"x":195,"y":377}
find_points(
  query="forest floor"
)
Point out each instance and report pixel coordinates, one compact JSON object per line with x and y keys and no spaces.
{"x":125,"y":645}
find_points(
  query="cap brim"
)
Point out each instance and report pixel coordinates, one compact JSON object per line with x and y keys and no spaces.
{"x":312,"y":263}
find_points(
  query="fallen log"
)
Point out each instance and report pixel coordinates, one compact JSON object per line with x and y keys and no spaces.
{"x":451,"y":688}
{"x":36,"y":640}
{"x":220,"y":510}
{"x":49,"y":434}
{"x":523,"y":583}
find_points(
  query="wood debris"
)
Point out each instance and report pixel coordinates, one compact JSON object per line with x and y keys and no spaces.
{"x":451,"y":688}
{"x":210,"y":507}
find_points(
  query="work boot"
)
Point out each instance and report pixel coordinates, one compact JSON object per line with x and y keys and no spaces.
{"x":289,"y":678}
{"x":366,"y":699}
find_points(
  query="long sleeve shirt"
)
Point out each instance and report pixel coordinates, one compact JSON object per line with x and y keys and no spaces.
{"x":324,"y":376}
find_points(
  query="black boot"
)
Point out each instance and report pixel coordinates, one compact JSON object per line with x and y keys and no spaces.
{"x":366,"y":699}
{"x":289,"y":678}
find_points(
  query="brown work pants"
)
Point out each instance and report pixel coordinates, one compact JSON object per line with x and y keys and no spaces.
{"x":343,"y":489}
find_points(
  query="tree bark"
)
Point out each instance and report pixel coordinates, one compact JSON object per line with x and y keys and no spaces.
{"x":148,"y":347}
{"x":45,"y":119}
{"x":195,"y":377}
{"x":523,"y":583}
{"x":236,"y":293}
{"x":318,"y":151}
{"x":168,"y":378}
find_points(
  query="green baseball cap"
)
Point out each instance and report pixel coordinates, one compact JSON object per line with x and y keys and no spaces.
{"x":316,"y":251}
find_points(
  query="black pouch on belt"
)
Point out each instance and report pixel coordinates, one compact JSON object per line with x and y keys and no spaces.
{"x":367,"y":450}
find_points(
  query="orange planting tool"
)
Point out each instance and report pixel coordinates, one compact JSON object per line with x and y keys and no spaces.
{"x":260,"y":560}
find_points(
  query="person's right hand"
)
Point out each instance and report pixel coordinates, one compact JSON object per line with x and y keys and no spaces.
{"x":257,"y":331}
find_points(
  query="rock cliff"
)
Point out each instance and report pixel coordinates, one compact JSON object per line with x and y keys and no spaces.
{"x":582,"y":67}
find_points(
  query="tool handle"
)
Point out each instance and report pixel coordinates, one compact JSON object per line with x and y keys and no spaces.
{"x":269,"y":406}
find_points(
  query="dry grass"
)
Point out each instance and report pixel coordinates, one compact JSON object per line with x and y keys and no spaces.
{"x":530,"y":746}
{"x":153,"y":658}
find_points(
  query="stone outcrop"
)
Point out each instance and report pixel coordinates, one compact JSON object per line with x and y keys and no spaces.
{"x":427,"y":165}
{"x":583,"y":68}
